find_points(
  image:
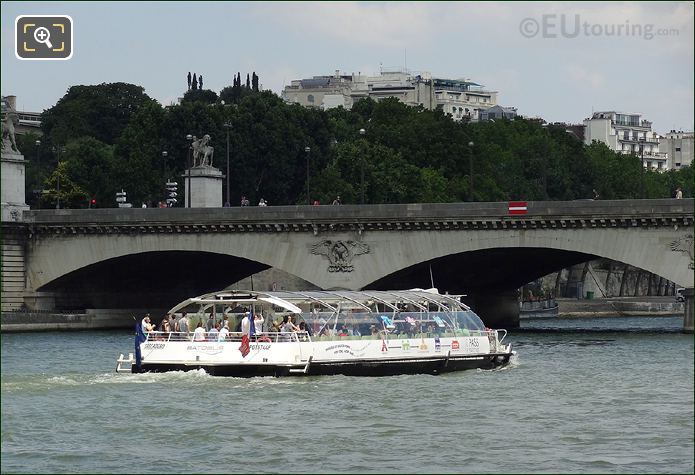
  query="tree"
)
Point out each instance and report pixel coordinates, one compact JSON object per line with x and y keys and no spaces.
{"x":138,"y":168}
{"x":254,"y":82}
{"x":100,"y":111}
{"x":89,"y":164}
{"x":194,"y":85}
{"x":248,"y":81}
{"x":200,"y":95}
{"x":63,"y":191}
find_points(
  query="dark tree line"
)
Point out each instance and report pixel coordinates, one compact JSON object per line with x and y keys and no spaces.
{"x":111,"y":137}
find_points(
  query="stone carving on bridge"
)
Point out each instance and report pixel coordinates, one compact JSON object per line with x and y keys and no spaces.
{"x":340,"y":253}
{"x":685,"y":245}
{"x":9,"y":120}
{"x":202,"y":152}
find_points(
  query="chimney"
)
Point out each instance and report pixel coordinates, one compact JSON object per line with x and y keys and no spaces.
{"x":12,"y":102}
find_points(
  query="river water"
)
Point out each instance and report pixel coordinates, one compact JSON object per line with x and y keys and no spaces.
{"x":609,"y":395}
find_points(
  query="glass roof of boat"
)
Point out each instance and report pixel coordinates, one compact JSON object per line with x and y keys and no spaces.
{"x":420,"y":299}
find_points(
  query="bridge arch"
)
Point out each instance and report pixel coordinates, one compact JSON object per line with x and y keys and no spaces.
{"x":387,"y":252}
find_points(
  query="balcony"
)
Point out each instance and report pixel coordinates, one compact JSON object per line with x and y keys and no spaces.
{"x":649,"y":140}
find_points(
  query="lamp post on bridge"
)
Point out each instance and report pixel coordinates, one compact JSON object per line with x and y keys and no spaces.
{"x":307,"y":150}
{"x":470,"y":171}
{"x":362,"y":133}
{"x":227,"y":125}
{"x":189,"y":137}
{"x":58,"y":150}
{"x":641,"y":151}
{"x":165,"y":154}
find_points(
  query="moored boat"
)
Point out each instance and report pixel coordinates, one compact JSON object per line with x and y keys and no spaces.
{"x":361,"y":333}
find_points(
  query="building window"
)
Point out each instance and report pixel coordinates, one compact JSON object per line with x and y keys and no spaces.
{"x":310,"y":98}
{"x":678,"y":149}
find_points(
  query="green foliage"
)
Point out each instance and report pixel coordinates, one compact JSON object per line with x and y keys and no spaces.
{"x":100,"y":111}
{"x":63,"y":191}
{"x":89,"y":164}
{"x":200,"y":95}
{"x":114,"y":136}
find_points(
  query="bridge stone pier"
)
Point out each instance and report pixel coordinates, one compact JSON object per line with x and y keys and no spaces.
{"x":154,"y":257}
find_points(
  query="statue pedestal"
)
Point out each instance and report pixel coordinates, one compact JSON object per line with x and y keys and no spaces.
{"x":13,"y":185}
{"x":204,"y":184}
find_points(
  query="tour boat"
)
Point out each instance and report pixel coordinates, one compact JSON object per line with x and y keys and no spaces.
{"x":356,"y":333}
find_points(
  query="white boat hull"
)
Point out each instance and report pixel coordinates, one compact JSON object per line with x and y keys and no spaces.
{"x":354,"y":357}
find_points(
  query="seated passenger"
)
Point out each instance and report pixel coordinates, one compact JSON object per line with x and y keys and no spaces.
{"x":343,"y":331}
{"x":199,"y":333}
{"x":303,"y":328}
{"x":214,"y":332}
{"x":224,"y":332}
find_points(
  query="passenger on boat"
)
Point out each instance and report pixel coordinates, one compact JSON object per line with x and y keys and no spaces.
{"x":303,"y":327}
{"x":304,"y":331}
{"x":246,"y":325}
{"x":199,"y":333}
{"x":173,"y":324}
{"x":258,"y":323}
{"x":214,"y":332}
{"x":343,"y":331}
{"x":147,"y":324}
{"x":224,"y":332}
{"x":374,"y":330}
{"x":289,"y":325}
{"x":183,"y":323}
{"x":210,"y":323}
{"x":225,"y":321}
{"x":326,"y":331}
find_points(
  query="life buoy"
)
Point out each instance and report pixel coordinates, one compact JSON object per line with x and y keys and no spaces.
{"x":265,"y":338}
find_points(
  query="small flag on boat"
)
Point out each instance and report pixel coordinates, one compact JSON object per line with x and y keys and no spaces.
{"x":252,"y":325}
{"x":139,"y":338}
{"x":518,"y":207}
{"x":244,"y":348}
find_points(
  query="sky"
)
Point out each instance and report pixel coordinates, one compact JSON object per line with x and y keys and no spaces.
{"x":555,"y":60}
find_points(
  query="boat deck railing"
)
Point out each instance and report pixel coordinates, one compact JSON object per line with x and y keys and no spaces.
{"x":269,"y":337}
{"x":283,"y":337}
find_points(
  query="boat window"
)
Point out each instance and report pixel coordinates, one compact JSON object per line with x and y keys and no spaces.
{"x":469,"y":320}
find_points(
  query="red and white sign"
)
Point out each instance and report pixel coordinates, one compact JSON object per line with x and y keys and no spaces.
{"x":518,"y":207}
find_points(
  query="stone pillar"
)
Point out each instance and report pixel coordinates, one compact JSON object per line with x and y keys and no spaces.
{"x":13,"y":184}
{"x":205,"y":187}
{"x":14,"y":242}
{"x":688,"y":310}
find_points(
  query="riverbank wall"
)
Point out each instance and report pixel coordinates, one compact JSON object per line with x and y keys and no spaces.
{"x":621,"y":307}
{"x":90,"y":319}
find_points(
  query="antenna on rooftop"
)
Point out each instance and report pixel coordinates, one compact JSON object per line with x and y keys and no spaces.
{"x":405,"y":59}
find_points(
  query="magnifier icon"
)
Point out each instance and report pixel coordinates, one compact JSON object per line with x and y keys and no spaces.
{"x":42,"y":35}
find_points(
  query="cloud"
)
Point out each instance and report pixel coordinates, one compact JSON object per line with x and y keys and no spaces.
{"x":374,"y":24}
{"x":583,"y":77}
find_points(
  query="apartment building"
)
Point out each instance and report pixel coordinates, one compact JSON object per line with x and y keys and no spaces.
{"x":462,"y":99}
{"x":678,"y":145}
{"x":626,"y":133}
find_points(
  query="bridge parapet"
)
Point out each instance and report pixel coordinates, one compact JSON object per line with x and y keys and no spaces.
{"x":356,"y":218}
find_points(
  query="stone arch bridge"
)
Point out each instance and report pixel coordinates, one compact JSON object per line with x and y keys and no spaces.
{"x":156,"y":257}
